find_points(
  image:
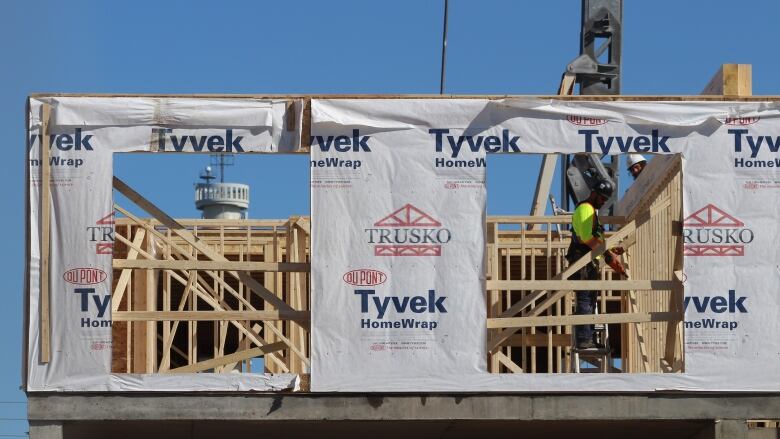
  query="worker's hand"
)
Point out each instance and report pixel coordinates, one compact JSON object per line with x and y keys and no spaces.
{"x":616,"y":265}
{"x":617,"y":250}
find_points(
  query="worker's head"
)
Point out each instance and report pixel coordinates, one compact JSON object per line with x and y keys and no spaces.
{"x":636,"y":163}
{"x":601,"y":193}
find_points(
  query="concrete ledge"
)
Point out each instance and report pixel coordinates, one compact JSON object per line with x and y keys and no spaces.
{"x":331,"y":407}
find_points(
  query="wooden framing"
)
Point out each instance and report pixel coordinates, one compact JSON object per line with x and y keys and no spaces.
{"x":182,"y":247}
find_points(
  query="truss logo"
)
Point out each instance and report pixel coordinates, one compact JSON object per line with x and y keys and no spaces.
{"x":102,"y":234}
{"x":585,"y":121}
{"x":84,"y":276}
{"x":408,"y":232}
{"x":364,"y":277}
{"x":741,"y":120}
{"x":712,"y":232}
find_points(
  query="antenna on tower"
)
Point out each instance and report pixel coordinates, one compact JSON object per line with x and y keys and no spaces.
{"x":222,"y":160}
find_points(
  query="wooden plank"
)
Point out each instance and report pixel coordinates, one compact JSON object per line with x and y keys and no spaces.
{"x":166,"y":287}
{"x":507,"y":362}
{"x":139,"y":302}
{"x":556,"y":340}
{"x":582,"y":285}
{"x":165,"y":364}
{"x":547,"y":219}
{"x":270,"y":280}
{"x":207,"y":316}
{"x":566,"y":88}
{"x":638,"y":328}
{"x":151,"y":305}
{"x":231,"y":358}
{"x":530,"y":322}
{"x":493,"y":298}
{"x":543,"y":184}
{"x":731,"y":80}
{"x":300,"y":299}
{"x":306,"y":125}
{"x":230,"y":224}
{"x":45,"y":212}
{"x":595,"y":98}
{"x":161,"y":264}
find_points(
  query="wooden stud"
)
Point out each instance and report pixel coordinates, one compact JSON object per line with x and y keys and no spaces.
{"x":543,"y":184}
{"x":151,"y":306}
{"x":45,"y":222}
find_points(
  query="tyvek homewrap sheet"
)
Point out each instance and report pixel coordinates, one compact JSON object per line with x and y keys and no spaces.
{"x":398,"y":237}
{"x":85,"y":133}
{"x":731,"y":194}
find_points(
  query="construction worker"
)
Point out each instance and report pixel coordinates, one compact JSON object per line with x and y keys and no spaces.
{"x":588,"y":234}
{"x":636,"y":163}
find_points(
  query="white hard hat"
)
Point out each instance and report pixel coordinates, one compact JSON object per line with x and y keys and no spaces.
{"x":634,"y":159}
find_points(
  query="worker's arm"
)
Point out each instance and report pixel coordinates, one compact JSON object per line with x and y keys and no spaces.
{"x":582,"y":221}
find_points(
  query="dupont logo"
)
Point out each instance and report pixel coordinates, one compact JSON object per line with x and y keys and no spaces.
{"x":585,"y":121}
{"x":741,"y":120}
{"x":408,"y":232}
{"x":84,"y":276}
{"x":102,"y":234}
{"x":364,"y":277}
{"x":377,"y":347}
{"x":712,"y":232}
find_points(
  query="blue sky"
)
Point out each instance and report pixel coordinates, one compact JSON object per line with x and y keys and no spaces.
{"x":495,"y":47}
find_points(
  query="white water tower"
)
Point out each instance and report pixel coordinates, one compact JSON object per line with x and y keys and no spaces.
{"x":221,"y":200}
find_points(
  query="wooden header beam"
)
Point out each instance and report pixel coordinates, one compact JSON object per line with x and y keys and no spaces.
{"x":630,"y":98}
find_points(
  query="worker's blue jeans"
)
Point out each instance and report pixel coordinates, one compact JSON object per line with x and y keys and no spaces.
{"x":586,"y":302}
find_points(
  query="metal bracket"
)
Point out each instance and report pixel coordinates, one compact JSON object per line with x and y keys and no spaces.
{"x":601,"y":32}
